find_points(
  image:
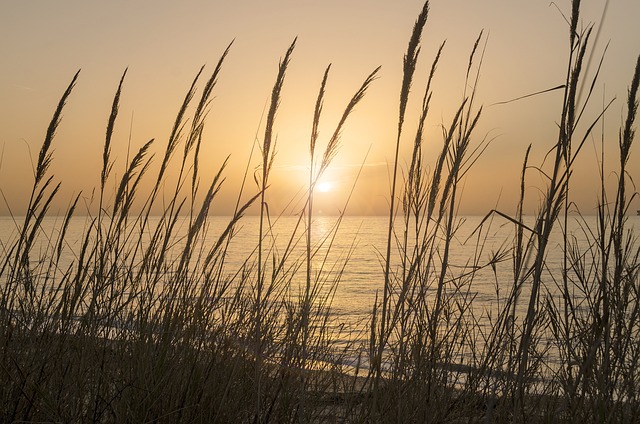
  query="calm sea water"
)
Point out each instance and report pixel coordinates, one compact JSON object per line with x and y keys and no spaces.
{"x":355,"y":253}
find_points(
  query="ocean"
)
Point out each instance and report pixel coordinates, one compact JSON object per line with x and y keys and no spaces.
{"x":350,"y":257}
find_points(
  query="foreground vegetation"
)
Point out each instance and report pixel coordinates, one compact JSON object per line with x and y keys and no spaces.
{"x":148,"y":323}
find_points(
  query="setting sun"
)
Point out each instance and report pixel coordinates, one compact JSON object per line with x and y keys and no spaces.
{"x":324,"y":186}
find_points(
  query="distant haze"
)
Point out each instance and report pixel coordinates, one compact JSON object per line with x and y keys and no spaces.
{"x":164,"y":43}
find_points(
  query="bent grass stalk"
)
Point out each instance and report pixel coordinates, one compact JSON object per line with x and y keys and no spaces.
{"x":314,"y":176}
{"x":409,"y":67}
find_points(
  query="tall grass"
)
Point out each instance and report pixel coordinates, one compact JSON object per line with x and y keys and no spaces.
{"x":147,"y":320}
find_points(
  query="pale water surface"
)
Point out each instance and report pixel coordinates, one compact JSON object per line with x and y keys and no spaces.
{"x":356,"y":253}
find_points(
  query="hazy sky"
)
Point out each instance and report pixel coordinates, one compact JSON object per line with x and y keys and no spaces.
{"x":164,"y":43}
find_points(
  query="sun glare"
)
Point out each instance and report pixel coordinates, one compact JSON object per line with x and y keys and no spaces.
{"x":324,"y":186}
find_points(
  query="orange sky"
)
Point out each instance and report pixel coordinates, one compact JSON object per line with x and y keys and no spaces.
{"x":164,"y":43}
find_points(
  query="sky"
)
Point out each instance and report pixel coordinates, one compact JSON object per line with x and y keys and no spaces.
{"x":164,"y":43}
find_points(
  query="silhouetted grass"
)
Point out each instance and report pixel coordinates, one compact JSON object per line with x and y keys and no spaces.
{"x":149,"y":322}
